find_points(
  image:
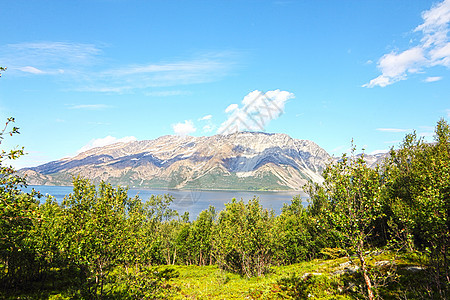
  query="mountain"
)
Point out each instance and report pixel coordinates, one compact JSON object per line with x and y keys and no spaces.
{"x":239,"y":161}
{"x":372,"y":160}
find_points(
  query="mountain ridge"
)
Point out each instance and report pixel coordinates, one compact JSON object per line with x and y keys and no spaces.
{"x":242,"y":160}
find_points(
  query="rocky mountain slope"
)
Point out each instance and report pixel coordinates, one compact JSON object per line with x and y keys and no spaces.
{"x":244,"y":161}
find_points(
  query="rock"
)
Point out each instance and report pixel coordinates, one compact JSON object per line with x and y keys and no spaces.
{"x":346,"y":264}
{"x":347,"y":267}
{"x":414,"y":268}
{"x":383,"y":263}
{"x":376,"y":253}
{"x":308,"y":275}
{"x":351,"y":269}
{"x":338,"y":272}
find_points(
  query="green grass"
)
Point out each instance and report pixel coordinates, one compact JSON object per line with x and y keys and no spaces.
{"x":293,"y":281}
{"x":214,"y":180}
{"x":210,"y":282}
{"x":306,"y":280}
{"x":219,"y":180}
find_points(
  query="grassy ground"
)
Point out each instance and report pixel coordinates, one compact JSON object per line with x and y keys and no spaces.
{"x":317,"y":279}
{"x":395,"y":277}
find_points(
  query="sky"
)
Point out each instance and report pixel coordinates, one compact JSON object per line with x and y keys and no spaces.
{"x":87,"y":73}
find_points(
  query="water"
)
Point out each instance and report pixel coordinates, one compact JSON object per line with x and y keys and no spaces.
{"x":193,"y":201}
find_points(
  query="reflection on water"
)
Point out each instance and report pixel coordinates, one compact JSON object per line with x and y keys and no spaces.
{"x":193,"y":201}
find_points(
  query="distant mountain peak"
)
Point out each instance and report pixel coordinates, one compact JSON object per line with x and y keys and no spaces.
{"x":240,"y":160}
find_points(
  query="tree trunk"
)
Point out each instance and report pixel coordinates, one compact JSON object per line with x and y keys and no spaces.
{"x":174,"y":256}
{"x":364,"y":271}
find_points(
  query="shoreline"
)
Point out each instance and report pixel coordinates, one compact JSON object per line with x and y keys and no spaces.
{"x":185,"y":190}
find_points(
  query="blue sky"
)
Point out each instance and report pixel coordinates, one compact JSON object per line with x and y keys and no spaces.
{"x":88,"y":73}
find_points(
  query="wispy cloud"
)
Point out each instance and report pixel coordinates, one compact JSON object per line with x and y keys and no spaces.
{"x":200,"y":69}
{"x":209,"y":126}
{"x":89,"y":106}
{"x":48,"y":57}
{"x":166,"y":93}
{"x":433,"y":79}
{"x":257,"y":110}
{"x":204,"y":118}
{"x":393,"y":130}
{"x":184,"y":128}
{"x":32,"y":70}
{"x":231,"y":107}
{"x":432,"y":50}
{"x":83,"y":68}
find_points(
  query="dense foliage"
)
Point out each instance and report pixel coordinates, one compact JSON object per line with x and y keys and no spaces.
{"x":99,"y":243}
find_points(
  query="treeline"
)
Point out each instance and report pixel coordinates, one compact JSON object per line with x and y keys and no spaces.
{"x":101,"y":243}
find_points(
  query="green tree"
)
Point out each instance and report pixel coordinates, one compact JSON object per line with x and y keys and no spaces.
{"x":350,"y":200}
{"x":299,"y":238}
{"x":418,"y":187}
{"x":200,"y":237}
{"x":18,"y":211}
{"x":244,"y":238}
{"x":195,"y":240}
{"x":96,"y":233}
{"x":161,"y":229}
{"x":47,"y":232}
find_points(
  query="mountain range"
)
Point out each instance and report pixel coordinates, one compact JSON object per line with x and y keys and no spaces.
{"x":237,"y":161}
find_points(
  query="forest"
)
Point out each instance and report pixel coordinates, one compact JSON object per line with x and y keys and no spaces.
{"x":100,"y":244}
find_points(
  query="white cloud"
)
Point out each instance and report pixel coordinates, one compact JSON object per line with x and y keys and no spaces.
{"x":448,"y":113}
{"x":184,"y":128}
{"x":433,"y":79}
{"x":89,"y":106}
{"x":393,"y":130}
{"x":435,"y":25}
{"x":433,"y":49}
{"x":208,"y":128}
{"x":166,"y":93}
{"x":32,"y":70}
{"x":109,"y":89}
{"x":257,"y":110}
{"x":231,"y":107}
{"x":108,"y":140}
{"x":205,"y":118}
{"x":395,"y":66}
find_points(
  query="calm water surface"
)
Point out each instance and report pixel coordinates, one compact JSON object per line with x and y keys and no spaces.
{"x":192,"y":201}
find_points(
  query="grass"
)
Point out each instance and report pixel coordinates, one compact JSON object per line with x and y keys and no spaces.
{"x":313,"y":279}
{"x":316,"y":279}
{"x":209,"y":282}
